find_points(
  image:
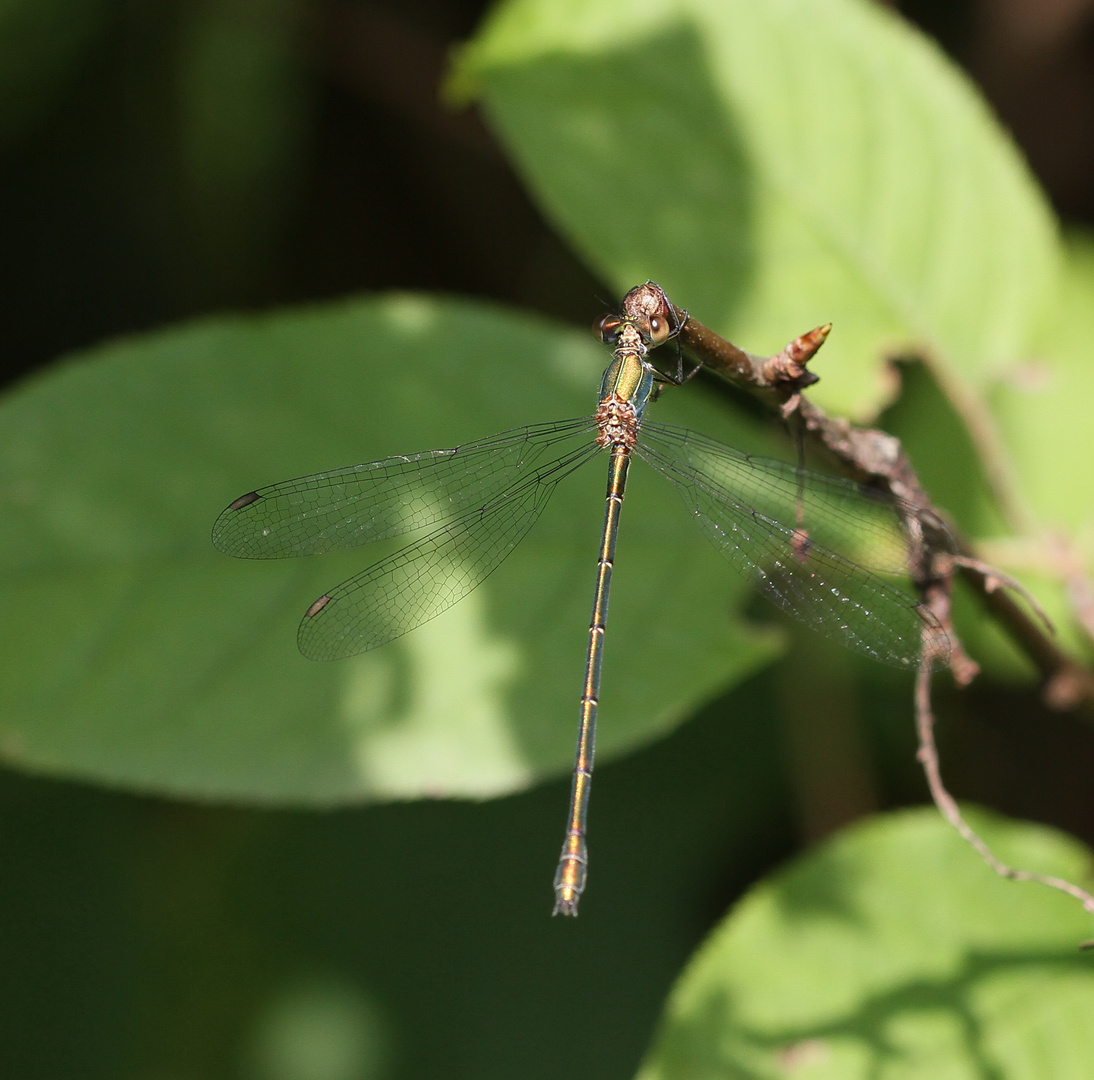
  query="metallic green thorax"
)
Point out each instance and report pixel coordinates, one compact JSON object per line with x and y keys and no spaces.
{"x":629,"y":376}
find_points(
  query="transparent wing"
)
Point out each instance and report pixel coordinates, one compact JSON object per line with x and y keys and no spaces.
{"x":812,"y":544}
{"x":418,"y":582}
{"x":361,"y":504}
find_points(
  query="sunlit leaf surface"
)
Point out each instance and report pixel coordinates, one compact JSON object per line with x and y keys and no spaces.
{"x":777,"y":166}
{"x":139,"y":655}
{"x":893,"y":952}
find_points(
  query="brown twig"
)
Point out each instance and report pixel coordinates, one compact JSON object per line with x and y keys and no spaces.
{"x":877,"y":458}
{"x":947,"y":805}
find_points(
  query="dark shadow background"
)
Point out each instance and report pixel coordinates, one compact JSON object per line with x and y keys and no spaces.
{"x":146,"y":178}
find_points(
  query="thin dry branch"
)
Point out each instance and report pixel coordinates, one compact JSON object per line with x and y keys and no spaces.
{"x":947,"y":805}
{"x":877,"y":458}
{"x":937,"y":551}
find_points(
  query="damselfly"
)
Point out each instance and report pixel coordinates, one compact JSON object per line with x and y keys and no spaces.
{"x":811,"y":543}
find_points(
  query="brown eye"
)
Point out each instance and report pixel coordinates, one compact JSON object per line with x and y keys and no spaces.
{"x":606,"y":328}
{"x":659,"y":330}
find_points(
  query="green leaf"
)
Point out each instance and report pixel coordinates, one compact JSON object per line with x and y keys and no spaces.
{"x":1042,"y":405}
{"x":776,"y":166}
{"x":893,"y":952}
{"x":137,"y":655}
{"x":1038,"y":409}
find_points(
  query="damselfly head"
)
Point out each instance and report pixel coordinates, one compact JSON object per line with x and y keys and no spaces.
{"x":654,"y":330}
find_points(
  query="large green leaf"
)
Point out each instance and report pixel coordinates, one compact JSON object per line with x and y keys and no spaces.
{"x":784,"y":164}
{"x":776,"y":166}
{"x":893,"y":952}
{"x":1043,"y":406}
{"x":1039,"y":410}
{"x":136,"y":654}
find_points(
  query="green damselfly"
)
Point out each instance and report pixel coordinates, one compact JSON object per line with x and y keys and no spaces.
{"x":807,"y":541}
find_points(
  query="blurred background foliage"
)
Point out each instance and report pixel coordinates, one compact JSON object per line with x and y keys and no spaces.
{"x":180,"y":159}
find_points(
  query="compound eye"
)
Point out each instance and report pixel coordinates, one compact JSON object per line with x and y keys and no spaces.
{"x":660,"y":331}
{"x":607,"y":327}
